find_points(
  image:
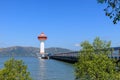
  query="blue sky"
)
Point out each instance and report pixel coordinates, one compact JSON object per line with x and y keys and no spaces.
{"x":66,"y":23}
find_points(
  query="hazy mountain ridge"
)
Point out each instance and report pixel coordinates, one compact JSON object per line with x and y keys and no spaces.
{"x":29,"y":51}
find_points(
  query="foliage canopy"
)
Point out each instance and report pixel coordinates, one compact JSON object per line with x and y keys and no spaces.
{"x":112,"y":9}
{"x":14,"y":70}
{"x":94,"y":63}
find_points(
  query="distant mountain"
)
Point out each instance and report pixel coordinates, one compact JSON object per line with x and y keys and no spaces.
{"x":55,"y":50}
{"x":29,"y":51}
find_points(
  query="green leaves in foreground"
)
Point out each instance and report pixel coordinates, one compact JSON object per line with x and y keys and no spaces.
{"x":94,"y":63}
{"x":14,"y":70}
{"x":112,"y":9}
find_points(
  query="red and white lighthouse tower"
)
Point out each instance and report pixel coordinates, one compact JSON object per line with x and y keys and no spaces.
{"x":42,"y":37}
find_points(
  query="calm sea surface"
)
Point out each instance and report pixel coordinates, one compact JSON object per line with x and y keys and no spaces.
{"x":46,"y":69}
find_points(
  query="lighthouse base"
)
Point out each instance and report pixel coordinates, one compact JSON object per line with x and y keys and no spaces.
{"x":44,"y":56}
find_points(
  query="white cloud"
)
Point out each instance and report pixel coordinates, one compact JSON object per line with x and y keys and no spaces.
{"x":77,"y":44}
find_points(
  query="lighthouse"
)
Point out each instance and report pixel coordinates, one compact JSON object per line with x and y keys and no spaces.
{"x":42,"y":38}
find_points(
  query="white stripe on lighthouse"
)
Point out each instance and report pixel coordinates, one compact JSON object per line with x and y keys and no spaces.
{"x":42,"y":50}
